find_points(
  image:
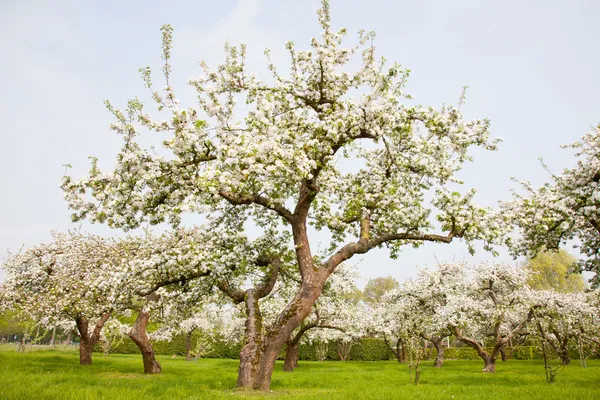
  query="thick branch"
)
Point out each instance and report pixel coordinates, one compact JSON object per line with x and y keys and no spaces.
{"x":260,"y":200}
{"x":364,"y":245}
{"x":268,"y":283}
{"x":171,"y":281}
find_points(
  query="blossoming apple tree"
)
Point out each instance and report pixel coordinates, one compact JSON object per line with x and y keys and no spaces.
{"x":563,"y":209}
{"x":286,"y":161}
{"x":561,"y":318}
{"x":496,"y":307}
{"x":64,"y":280}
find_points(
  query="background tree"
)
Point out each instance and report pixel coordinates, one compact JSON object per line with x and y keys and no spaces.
{"x":563,"y":209}
{"x":377,"y":287}
{"x":496,"y":307}
{"x":67,"y":279}
{"x":560,"y":320}
{"x":282,"y":164}
{"x":551,"y":270}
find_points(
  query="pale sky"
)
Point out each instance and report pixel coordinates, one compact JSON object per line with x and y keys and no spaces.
{"x":531,"y":67}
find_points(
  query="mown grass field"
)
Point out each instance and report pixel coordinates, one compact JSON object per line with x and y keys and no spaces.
{"x":52,"y":374}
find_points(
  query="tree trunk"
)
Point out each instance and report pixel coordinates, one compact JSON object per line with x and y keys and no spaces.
{"x":402,"y":351}
{"x":53,"y":336}
{"x":293,"y":315}
{"x":439,"y":358}
{"x":396,"y":352}
{"x":565,"y":357}
{"x":503,"y":354}
{"x":188,"y":345}
{"x":250,"y":354}
{"x":292,"y":351}
{"x":489,"y":364}
{"x":488,"y":360}
{"x":139,"y":337}
{"x":85,"y":351}
{"x":87,"y":341}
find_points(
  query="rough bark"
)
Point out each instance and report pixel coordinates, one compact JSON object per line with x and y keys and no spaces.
{"x":188,"y":346}
{"x":250,"y":353}
{"x":565,"y":357}
{"x":439,"y":358}
{"x":85,"y":352}
{"x":395,"y":351}
{"x":140,"y":338}
{"x":87,"y":341}
{"x":489,"y":360}
{"x":489,"y":364}
{"x":503,"y":354}
{"x":293,"y":315}
{"x":53,"y":336}
{"x":292,"y":353}
{"x":252,"y":350}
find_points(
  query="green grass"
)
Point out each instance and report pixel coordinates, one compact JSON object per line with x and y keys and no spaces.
{"x":51,"y":374}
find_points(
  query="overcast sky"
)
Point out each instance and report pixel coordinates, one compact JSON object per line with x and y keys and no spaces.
{"x":532,"y":68}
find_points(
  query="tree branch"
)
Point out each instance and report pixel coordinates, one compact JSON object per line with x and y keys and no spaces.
{"x":260,"y":200}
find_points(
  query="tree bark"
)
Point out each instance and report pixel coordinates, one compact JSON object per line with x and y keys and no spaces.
{"x":85,"y":351}
{"x":250,"y":354}
{"x":489,"y":363}
{"x":140,"y":338}
{"x":292,"y":353}
{"x":293,"y":315}
{"x":503,"y":354}
{"x":402,"y":350}
{"x":565,"y":357}
{"x":87,"y":341}
{"x":53,"y":336}
{"x":439,"y":358}
{"x":188,"y":346}
{"x":396,"y":352}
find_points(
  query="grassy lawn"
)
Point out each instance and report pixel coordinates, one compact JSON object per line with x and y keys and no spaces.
{"x":52,"y":374}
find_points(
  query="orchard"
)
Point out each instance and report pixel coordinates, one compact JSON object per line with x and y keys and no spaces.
{"x":290,"y":179}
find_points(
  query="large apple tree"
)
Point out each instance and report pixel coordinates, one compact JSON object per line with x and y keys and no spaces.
{"x":346,"y":152}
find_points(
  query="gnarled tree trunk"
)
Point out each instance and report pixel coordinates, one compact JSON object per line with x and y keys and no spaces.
{"x":503,"y":353}
{"x":398,"y":352}
{"x":87,"y":341}
{"x":252,"y":350}
{"x":140,"y":338}
{"x":489,"y":363}
{"x":250,"y":353}
{"x":292,"y":354}
{"x":489,"y":360}
{"x":439,"y":357}
{"x":188,"y":345}
{"x":293,"y":315}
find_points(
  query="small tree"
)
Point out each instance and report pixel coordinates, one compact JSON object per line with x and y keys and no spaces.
{"x":496,"y":308}
{"x":560,"y":319}
{"x":65,"y":279}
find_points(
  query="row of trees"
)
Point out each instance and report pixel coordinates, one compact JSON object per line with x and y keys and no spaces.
{"x":321,"y":148}
{"x":487,"y":307}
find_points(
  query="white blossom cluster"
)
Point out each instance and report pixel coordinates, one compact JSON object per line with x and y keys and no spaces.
{"x":563,"y":209}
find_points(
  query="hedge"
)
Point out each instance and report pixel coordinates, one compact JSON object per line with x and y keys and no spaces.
{"x":365,"y":349}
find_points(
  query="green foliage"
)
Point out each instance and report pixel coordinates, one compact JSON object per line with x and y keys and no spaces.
{"x":365,"y":349}
{"x":10,"y":324}
{"x":377,"y":287}
{"x":550,"y":271}
{"x":49,"y":375}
